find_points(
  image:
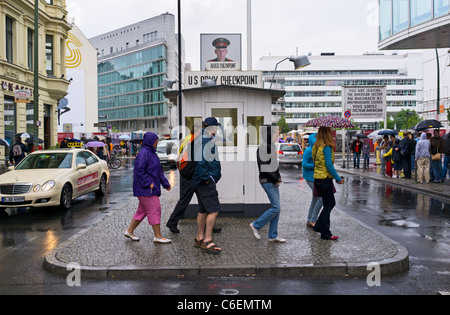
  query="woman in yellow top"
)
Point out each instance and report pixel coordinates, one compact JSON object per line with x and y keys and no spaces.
{"x":324,"y":172}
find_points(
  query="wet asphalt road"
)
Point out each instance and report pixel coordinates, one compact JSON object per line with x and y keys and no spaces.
{"x":421,"y":223}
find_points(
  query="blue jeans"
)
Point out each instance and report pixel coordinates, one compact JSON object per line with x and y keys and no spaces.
{"x":316,"y":205}
{"x":413,"y":162}
{"x":436,"y":167}
{"x":356,"y":159}
{"x":272,"y":215}
{"x":446,"y":166}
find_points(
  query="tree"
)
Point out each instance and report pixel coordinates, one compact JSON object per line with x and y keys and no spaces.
{"x":283,"y":125}
{"x":403,"y":118}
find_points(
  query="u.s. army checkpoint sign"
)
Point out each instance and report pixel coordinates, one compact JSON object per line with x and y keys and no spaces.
{"x":365,"y":102}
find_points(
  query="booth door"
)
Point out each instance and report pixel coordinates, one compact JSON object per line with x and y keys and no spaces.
{"x":230,"y":144}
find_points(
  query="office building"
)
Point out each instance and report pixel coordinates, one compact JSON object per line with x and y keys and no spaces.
{"x":82,"y":97}
{"x":424,"y":25}
{"x":132,"y":63}
{"x":316,"y":90}
{"x":17,"y":67}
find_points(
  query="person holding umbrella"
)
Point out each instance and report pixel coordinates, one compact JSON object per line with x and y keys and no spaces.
{"x":324,"y":172}
{"x":17,"y":151}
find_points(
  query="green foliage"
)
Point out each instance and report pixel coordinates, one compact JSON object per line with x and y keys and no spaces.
{"x":400,"y":118}
{"x":283,"y":125}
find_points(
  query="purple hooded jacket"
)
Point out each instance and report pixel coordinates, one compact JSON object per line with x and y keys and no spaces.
{"x":148,"y":170}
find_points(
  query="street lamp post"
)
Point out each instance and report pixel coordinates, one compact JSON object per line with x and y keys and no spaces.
{"x":36,"y":75}
{"x":180,"y":98}
{"x":299,"y":62}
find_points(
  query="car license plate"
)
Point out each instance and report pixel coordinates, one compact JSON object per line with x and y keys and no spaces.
{"x":13,"y":199}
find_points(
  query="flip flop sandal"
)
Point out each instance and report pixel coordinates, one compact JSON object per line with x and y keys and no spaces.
{"x":210,"y":248}
{"x":198,"y":244}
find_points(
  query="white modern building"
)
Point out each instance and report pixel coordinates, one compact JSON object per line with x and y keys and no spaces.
{"x":316,"y":90}
{"x":132,"y":63}
{"x":82,"y":97}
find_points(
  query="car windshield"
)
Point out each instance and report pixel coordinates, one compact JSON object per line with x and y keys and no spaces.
{"x":46,"y":161}
{"x":290,"y":148}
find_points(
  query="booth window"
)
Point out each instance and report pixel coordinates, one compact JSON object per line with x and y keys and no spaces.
{"x":254,"y":125}
{"x":227,"y":134}
{"x":193,"y":123}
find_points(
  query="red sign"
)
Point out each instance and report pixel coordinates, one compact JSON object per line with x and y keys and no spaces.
{"x":348,"y":114}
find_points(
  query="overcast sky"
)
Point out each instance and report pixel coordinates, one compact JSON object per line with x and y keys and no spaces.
{"x":279,"y":27}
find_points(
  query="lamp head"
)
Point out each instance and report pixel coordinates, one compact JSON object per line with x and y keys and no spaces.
{"x":168,"y":84}
{"x":300,"y":62}
{"x":208,"y":82}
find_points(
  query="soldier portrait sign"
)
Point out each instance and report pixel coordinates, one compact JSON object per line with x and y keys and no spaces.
{"x":221,"y":52}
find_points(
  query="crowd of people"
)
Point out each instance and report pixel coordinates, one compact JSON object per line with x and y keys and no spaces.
{"x":425,"y":155}
{"x":148,"y":179}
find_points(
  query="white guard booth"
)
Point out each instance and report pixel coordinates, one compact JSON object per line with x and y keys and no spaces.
{"x":241,"y":111}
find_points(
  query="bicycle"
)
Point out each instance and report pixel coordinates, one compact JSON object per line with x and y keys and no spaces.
{"x":114,"y":162}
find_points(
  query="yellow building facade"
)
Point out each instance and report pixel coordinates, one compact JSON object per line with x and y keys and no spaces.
{"x":17,"y":67}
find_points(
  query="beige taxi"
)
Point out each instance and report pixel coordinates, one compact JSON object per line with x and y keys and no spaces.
{"x":53,"y":178}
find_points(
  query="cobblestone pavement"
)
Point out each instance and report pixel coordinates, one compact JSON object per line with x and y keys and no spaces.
{"x":103,"y":252}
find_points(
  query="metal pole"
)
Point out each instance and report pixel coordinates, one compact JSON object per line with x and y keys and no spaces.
{"x":180,"y":98}
{"x":438,"y":85}
{"x":36,"y":76}
{"x":249,"y":36}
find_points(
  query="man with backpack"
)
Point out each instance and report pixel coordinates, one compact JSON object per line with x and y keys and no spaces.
{"x":187,"y":185}
{"x":17,"y":152}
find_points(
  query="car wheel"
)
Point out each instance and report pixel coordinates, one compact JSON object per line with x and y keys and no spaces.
{"x":103,"y":186}
{"x":66,"y":197}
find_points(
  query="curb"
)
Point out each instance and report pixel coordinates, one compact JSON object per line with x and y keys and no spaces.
{"x":397,"y":264}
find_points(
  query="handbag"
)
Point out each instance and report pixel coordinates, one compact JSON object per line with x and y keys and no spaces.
{"x":436,"y":157}
{"x":317,"y":192}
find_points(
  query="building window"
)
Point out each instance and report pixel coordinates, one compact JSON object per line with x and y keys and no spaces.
{"x":9,"y":39}
{"x":400,"y":15}
{"x":385,"y":19}
{"x":441,"y":7}
{"x":421,"y":11}
{"x":9,"y":120}
{"x":49,"y":54}
{"x":30,"y":35}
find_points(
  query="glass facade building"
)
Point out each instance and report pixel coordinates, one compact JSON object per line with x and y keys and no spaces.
{"x":414,"y":24}
{"x":399,"y":15}
{"x":132,"y":63}
{"x":130,"y":86}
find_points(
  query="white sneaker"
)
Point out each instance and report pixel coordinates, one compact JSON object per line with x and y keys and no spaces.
{"x":255,"y":231}
{"x":277,"y":240}
{"x":161,"y":240}
{"x":130,"y":236}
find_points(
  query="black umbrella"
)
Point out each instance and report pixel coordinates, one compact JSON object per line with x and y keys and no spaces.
{"x":360,"y":135}
{"x":428,"y":124}
{"x":4,"y":143}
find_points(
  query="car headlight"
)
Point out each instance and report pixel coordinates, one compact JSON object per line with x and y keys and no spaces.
{"x":37,"y":188}
{"x":48,"y":185}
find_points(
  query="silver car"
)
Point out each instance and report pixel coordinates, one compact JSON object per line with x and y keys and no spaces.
{"x":290,"y":153}
{"x":167,"y":151}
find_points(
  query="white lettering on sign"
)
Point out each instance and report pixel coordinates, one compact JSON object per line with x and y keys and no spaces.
{"x":253,"y":79}
{"x":365,"y":102}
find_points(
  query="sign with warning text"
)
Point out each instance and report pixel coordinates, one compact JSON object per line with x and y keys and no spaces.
{"x":365,"y":102}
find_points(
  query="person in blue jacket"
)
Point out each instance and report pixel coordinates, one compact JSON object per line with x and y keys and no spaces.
{"x":206,"y":176}
{"x":147,"y":182}
{"x":308,"y":175}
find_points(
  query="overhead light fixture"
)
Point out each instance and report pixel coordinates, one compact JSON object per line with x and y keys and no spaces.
{"x":299,"y":62}
{"x":168,"y":84}
{"x":208,"y":83}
